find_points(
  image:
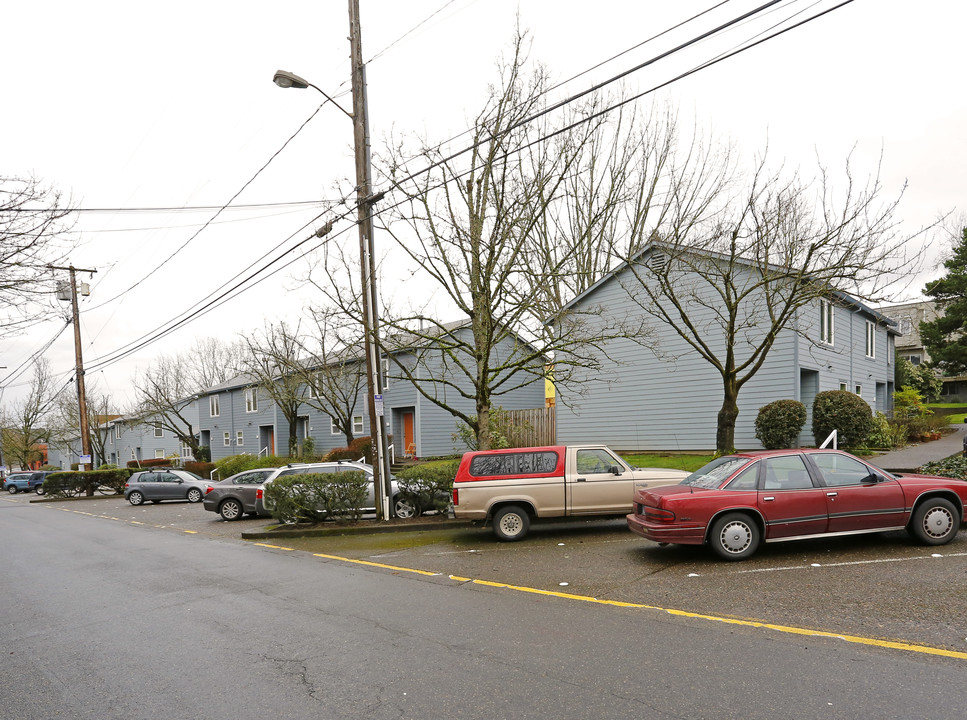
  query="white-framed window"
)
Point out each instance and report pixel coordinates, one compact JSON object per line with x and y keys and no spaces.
{"x":213,"y":405}
{"x":914,"y":359}
{"x":159,"y":453}
{"x":890,"y":348}
{"x":357,"y":424}
{"x":842,"y":386}
{"x":117,"y":431}
{"x":859,"y":390}
{"x":228,"y":439}
{"x":870,"y":339}
{"x":827,"y":330}
{"x":239,"y":438}
{"x":315,"y":382}
{"x":251,"y":400}
{"x":159,"y":430}
{"x":133,"y":455}
{"x":185,"y":450}
{"x":334,"y":427}
{"x":385,"y":367}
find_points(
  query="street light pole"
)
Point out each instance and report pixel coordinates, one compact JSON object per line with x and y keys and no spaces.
{"x":370,"y":308}
{"x":367,"y":263}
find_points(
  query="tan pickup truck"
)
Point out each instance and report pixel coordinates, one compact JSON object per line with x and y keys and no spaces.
{"x":512,"y":487}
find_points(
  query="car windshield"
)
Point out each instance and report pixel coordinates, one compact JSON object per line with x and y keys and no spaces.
{"x":715,"y":473}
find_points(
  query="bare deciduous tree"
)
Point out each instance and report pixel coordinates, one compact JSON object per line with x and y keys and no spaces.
{"x":66,"y":426}
{"x":26,"y":424}
{"x":331,"y":367}
{"x":275,"y":364}
{"x":33,"y":222}
{"x":729,"y":279}
{"x":469,"y":225}
{"x":165,"y":391}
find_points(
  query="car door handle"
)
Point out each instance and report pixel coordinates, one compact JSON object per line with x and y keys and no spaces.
{"x":582,"y":480}
{"x":769,"y":498}
{"x":831,"y":494}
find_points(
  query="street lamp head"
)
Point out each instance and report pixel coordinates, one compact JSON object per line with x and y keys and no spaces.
{"x":285,"y":79}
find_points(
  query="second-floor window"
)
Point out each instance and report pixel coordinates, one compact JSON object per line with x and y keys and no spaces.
{"x":357,"y":425}
{"x":213,"y":405}
{"x":826,"y":329}
{"x":870,"y":340}
{"x":117,"y":431}
{"x":251,"y":400}
{"x":159,"y":430}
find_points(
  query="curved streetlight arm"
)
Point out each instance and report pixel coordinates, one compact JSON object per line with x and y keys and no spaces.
{"x":286,"y":79}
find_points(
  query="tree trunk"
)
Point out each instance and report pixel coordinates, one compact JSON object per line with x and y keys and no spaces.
{"x":725,"y":430}
{"x":483,"y":425}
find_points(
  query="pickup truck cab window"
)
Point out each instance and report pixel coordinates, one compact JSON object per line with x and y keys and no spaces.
{"x":597,"y":461}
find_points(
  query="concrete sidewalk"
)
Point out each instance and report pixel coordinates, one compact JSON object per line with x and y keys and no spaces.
{"x":909,"y":458}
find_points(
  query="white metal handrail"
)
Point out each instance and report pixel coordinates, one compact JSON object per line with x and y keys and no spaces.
{"x":832,"y":436}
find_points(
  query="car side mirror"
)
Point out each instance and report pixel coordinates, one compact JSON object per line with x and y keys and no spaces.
{"x":871,"y":479}
{"x":615,"y":470}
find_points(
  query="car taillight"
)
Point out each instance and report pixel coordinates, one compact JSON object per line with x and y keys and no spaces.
{"x":658,"y":515}
{"x":456,"y":497}
{"x":258,"y":494}
{"x":208,"y":489}
{"x":127,"y":485}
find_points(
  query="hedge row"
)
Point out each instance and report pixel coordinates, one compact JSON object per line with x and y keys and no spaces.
{"x":428,"y":486}
{"x":69,"y":484}
{"x":317,"y":496}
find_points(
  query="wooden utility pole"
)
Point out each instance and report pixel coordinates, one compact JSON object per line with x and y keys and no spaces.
{"x":370,"y":309}
{"x":79,"y":363}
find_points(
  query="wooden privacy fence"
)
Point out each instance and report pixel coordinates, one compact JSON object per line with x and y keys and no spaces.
{"x":528,"y":428}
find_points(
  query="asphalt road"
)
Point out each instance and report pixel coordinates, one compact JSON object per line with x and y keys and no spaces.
{"x":109,"y":611}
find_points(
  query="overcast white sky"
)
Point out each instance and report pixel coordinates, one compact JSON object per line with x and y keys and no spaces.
{"x":134,"y":105}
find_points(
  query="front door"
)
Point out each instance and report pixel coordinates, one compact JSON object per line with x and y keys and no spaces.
{"x":409,"y":445}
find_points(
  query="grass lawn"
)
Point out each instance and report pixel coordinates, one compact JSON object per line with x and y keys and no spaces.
{"x":677,"y":462}
{"x":959,"y":416}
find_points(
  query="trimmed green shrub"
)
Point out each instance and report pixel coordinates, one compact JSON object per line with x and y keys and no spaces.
{"x":361,"y":447}
{"x":237,"y":463}
{"x":69,"y":484}
{"x":885,"y":435}
{"x":779,"y":423}
{"x":317,"y":496}
{"x":845,"y":412}
{"x":202,"y":469}
{"x":203,"y":454}
{"x":428,"y":486}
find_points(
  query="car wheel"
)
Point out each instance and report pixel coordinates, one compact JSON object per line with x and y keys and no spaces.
{"x":935,"y":522}
{"x":511,"y":523}
{"x":406,"y":510}
{"x":12,"y":489}
{"x":230,"y":509}
{"x":734,"y":536}
{"x":194,"y":495}
{"x":136,"y":498}
{"x":39,"y":489}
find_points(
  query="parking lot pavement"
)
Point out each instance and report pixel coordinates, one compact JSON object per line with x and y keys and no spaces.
{"x":881,"y":586}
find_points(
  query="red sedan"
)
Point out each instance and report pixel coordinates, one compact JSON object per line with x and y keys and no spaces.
{"x":738,"y":501}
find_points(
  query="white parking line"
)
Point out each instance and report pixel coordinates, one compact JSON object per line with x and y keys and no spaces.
{"x":854,"y":562}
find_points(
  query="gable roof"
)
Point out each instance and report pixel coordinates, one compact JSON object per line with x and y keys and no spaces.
{"x":842,"y":297}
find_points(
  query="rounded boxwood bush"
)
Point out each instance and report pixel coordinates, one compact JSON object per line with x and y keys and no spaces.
{"x":779,"y":423}
{"x":843,"y":411}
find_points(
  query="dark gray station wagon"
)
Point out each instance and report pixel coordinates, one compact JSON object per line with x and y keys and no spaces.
{"x":164,"y":484}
